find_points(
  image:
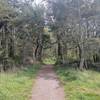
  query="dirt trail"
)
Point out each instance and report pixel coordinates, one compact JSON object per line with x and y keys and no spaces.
{"x":47,"y":85}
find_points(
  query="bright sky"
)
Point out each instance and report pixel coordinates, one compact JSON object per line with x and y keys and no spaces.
{"x":41,"y":2}
{"x":38,"y":1}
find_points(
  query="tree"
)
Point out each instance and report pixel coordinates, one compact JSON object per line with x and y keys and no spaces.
{"x":74,"y":24}
{"x":21,"y":25}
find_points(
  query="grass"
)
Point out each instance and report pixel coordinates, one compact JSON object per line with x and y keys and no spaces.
{"x":17,"y":86}
{"x":79,"y":85}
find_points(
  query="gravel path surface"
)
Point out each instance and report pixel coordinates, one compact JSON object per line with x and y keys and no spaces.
{"x":47,"y":86}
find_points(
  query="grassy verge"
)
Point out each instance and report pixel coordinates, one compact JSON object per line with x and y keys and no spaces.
{"x":80,"y":85}
{"x":17,"y":86}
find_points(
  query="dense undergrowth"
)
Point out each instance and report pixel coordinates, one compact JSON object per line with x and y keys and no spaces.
{"x":18,"y":85}
{"x":79,"y":85}
{"x":51,"y":60}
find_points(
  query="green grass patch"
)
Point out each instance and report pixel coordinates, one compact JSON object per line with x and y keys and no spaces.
{"x":79,"y":85}
{"x":18,"y":86}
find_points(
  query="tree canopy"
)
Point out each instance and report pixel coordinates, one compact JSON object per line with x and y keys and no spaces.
{"x":68,"y":29}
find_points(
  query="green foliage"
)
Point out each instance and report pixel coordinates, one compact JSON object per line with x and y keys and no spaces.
{"x":50,"y":60}
{"x":73,"y":24}
{"x":18,"y":85}
{"x":21,"y":24}
{"x":79,"y":85}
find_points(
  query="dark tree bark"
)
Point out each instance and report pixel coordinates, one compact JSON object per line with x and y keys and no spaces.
{"x":60,"y":55}
{"x":39,"y":47}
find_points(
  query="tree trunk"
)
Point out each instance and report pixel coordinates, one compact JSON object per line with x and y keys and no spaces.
{"x":39,"y":48}
{"x":60,"y":55}
{"x":5,"y":47}
{"x":82,"y":59}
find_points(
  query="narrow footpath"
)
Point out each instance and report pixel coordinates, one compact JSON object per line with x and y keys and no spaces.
{"x":47,"y":86}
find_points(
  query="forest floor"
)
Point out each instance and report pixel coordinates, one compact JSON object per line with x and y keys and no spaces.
{"x":47,"y":86}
